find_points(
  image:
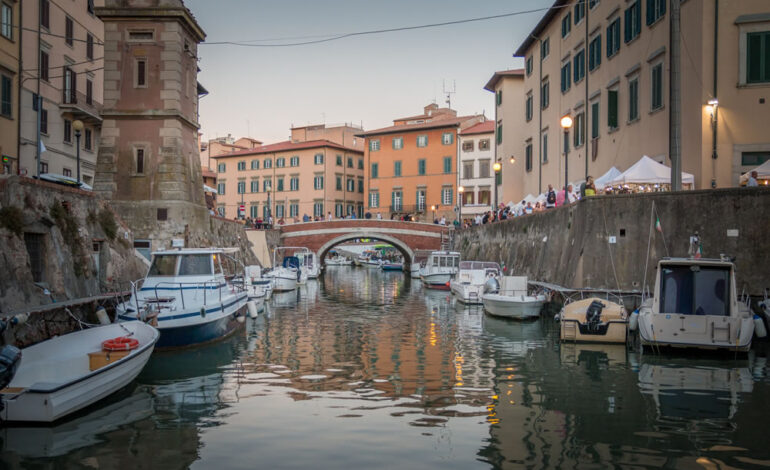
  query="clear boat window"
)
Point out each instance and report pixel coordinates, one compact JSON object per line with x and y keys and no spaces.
{"x":163,"y":265}
{"x":217,"y":266}
{"x":435,"y":261}
{"x":695,"y":290}
{"x":195,"y":265}
{"x":443,"y":262}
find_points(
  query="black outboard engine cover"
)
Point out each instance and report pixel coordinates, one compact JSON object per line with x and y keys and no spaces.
{"x":10,"y":358}
{"x":491,"y":286}
{"x":594,"y":315}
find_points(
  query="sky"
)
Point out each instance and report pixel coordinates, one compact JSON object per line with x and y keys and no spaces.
{"x":368,"y":80}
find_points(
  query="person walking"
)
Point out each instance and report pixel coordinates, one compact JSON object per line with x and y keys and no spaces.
{"x":752,"y":182}
{"x":550,"y":198}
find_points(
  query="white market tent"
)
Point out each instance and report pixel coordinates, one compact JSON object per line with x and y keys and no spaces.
{"x":605,"y":179}
{"x":763,"y":172}
{"x":209,"y":189}
{"x":648,"y":171}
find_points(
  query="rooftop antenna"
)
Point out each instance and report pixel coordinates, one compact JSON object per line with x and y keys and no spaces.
{"x":449,"y":93}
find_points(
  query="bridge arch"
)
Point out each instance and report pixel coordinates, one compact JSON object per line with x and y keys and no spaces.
{"x":402,"y":247}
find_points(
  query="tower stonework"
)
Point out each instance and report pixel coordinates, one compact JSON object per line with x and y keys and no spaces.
{"x":148,"y":163}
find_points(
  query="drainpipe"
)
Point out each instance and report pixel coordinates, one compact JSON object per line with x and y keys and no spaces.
{"x":587,"y":104}
{"x":715,"y":123}
{"x":39,"y":100}
{"x":540,"y":124}
{"x":675,"y":110}
{"x":19,"y":80}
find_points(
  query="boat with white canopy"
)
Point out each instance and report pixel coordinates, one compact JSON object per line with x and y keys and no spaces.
{"x":473,"y":278}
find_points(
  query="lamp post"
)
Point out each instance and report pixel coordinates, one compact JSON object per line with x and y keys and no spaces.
{"x":78,"y":127}
{"x":496,"y":167}
{"x":566,"y":124}
{"x":433,"y":208}
{"x":713,"y":105}
{"x":460,"y":191}
{"x":513,"y":160}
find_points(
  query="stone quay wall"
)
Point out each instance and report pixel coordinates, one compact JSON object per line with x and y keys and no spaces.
{"x":571,"y":246}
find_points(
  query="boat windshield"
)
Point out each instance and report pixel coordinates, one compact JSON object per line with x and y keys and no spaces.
{"x":163,"y":265}
{"x":195,"y":265}
{"x":695,"y":290}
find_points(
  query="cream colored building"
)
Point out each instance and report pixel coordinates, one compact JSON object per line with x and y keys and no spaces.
{"x":606,"y":63}
{"x":9,"y":86}
{"x":223,"y":145}
{"x":63,"y":59}
{"x":477,"y":178}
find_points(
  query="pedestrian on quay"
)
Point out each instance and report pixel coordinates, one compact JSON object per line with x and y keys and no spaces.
{"x":550,"y":198}
{"x":589,"y":188}
{"x":752,"y":182}
{"x":305,"y":218}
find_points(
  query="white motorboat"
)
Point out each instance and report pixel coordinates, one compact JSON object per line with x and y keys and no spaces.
{"x":696,"y":304}
{"x":513,"y":300}
{"x":186,"y":294}
{"x":256,"y":285}
{"x":472,"y":279}
{"x":338,"y":261}
{"x":439,"y":269}
{"x":62,"y":375}
{"x":308,"y":262}
{"x":287,"y":276}
{"x":414,"y":270}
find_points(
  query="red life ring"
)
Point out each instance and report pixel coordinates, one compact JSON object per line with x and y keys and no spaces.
{"x":121,"y":343}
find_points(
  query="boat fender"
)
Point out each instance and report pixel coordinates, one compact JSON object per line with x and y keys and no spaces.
{"x":252,"y":308}
{"x":765,"y":306}
{"x":633,"y":322}
{"x":121,"y":343}
{"x":101,"y":314}
{"x":759,"y":327}
{"x":557,"y":317}
{"x":203,"y":312}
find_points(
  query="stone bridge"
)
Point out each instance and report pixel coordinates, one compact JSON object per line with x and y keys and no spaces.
{"x":405,"y":236}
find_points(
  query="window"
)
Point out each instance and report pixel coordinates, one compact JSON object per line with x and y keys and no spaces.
{"x":241,"y":187}
{"x":613,"y":38}
{"x":67,"y":131}
{"x":528,"y":156}
{"x":633,"y":22}
{"x":43,"y":65}
{"x":397,"y":143}
{"x":579,"y":129}
{"x":6,"y":21}
{"x":468,"y":170}
{"x":141,"y":72}
{"x":221,"y":189}
{"x":350,"y":162}
{"x":446,"y":196}
{"x":579,"y":65}
{"x":361,"y":186}
{"x":87,"y":139}
{"x":6,"y":96}
{"x":338,"y":183}
{"x":266,"y":212}
{"x":70,"y":81}
{"x":318,"y":209}
{"x":318,"y":159}
{"x":566,"y":25}
{"x":657,"y":87}
{"x":268,"y":163}
{"x":566,"y":76}
{"x":544,"y":150}
{"x":294,"y":161}
{"x":221,"y":167}
{"x":468,"y":198}
{"x":705,"y":291}
{"x":595,"y":53}
{"x":595,"y":120}
{"x":241,"y":166}
{"x":447,"y":165}
{"x":374,"y":199}
{"x":499,"y":132}
{"x":396,"y":201}
{"x":422,"y":140}
{"x":467,"y":146}
{"x":421,"y":166}
{"x":351,"y":185}
{"x":655,"y":10}
{"x":499,"y":97}
{"x":69,"y":30}
{"x":447,"y":138}
{"x":484,"y":166}
{"x":66,"y":172}
{"x":592,"y":3}
{"x":89,"y":92}
{"x":318,"y":182}
{"x":255,"y":164}
{"x":397,"y":168}
{"x":254,"y":186}
{"x":420,"y":198}
{"x":43,"y":120}
{"x":612,"y":109}
{"x":294,"y":183}
{"x":528,"y":107}
{"x":375,"y":170}
{"x":221,"y":210}
{"x":528,"y":66}
{"x":90,"y":6}
{"x":267,"y":184}
{"x":374,"y":145}
{"x":758,"y":57}
{"x":280,"y":162}
{"x":279,"y":183}
{"x":293,"y":209}
{"x":545,"y":48}
{"x":484,"y":144}
{"x":279,"y":210}
{"x":580,"y":10}
{"x":43,"y":167}
{"x":45,"y":14}
{"x":360,"y":163}
{"x":339,"y":160}
{"x":633,"y":99}
{"x":544,"y":94}
{"x":254,"y":211}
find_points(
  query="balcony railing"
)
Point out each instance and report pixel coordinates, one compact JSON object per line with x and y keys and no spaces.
{"x":76,"y":103}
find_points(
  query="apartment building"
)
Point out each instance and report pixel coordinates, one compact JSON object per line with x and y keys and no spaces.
{"x":9,"y":86}
{"x":291,"y":179}
{"x":63,"y":59}
{"x":477,"y":177}
{"x":222,"y":145}
{"x":508,"y":87}
{"x":607,"y":64}
{"x":412,"y":164}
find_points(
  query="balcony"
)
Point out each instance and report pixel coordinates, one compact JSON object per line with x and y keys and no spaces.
{"x":407,"y":209}
{"x":75,"y":103}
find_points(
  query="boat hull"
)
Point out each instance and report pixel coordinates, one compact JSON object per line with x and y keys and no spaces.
{"x":612,"y":326}
{"x":519,"y":307}
{"x":467,"y":293}
{"x":392,"y":267}
{"x":695,"y":331}
{"x":197,"y":334}
{"x":284,"y":284}
{"x":437,"y":281}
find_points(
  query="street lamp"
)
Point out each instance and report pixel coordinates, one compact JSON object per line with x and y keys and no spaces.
{"x":433,"y":208}
{"x":496,"y":167}
{"x":566,"y":124}
{"x":712,"y":108}
{"x":513,"y":160}
{"x":78,"y":127}
{"x":460,"y":190}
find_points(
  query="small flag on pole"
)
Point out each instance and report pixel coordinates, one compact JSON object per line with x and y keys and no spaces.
{"x":658,"y":227}
{"x":42,"y":147}
{"x":699,"y":252}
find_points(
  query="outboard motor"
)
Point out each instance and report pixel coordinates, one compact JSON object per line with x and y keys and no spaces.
{"x":491,"y":285}
{"x":10,"y":358}
{"x":594,"y":315}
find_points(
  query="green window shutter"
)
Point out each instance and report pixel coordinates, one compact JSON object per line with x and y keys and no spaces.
{"x":612,"y":109}
{"x":392,"y":199}
{"x":421,"y":166}
{"x":594,"y":120}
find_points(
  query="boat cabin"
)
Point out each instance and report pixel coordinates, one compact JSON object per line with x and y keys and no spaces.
{"x":695,"y":287}
{"x":186,"y":263}
{"x":444,"y":261}
{"x":477,"y":272}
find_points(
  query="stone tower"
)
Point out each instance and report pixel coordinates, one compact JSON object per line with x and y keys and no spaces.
{"x":148,"y":164}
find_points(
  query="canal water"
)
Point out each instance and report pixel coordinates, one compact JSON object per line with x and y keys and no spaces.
{"x":364,"y":369}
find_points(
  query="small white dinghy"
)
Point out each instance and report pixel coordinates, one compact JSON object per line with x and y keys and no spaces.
{"x":513,"y":300}
{"x":65,"y":374}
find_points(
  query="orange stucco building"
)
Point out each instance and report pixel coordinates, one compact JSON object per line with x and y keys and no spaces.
{"x":412,"y":165}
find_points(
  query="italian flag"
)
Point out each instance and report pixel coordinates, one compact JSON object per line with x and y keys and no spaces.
{"x":658,"y":227}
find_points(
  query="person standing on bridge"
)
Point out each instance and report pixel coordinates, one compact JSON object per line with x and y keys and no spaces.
{"x":329,"y":216}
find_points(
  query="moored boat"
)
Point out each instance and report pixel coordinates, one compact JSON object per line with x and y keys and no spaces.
{"x":472,"y":279}
{"x":439,"y":269}
{"x":287,"y":276}
{"x":593,"y":320}
{"x":513,"y":299}
{"x":338,"y":260}
{"x":67,"y":373}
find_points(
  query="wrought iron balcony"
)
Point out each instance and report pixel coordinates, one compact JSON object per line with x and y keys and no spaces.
{"x":77,"y":103}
